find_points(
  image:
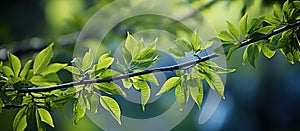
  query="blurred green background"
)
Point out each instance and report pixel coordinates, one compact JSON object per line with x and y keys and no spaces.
{"x":264,"y":98}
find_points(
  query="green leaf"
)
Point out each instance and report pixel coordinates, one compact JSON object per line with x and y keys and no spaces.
{"x":278,"y":12}
{"x":15,"y":63}
{"x":53,"y":68}
{"x":1,"y":105}
{"x":108,"y":73}
{"x":79,"y":109}
{"x":181,"y":96}
{"x":253,"y":53}
{"x":197,"y":92}
{"x":137,"y":49}
{"x":183,"y":45}
{"x":126,"y":55}
{"x":77,"y":62}
{"x":245,"y":55}
{"x":231,"y":50}
{"x":225,"y":36}
{"x":216,"y":83}
{"x":45,"y":116}
{"x":147,"y":53}
{"x":48,"y":80}
{"x":151,"y":78}
{"x":195,"y":41}
{"x":40,"y":125}
{"x":25,"y":69}
{"x":20,"y":122}
{"x":254,"y":24}
{"x":145,"y":92}
{"x":217,"y":69}
{"x":176,"y":52}
{"x":87,"y":60}
{"x":168,"y":85}
{"x":112,"y":107}
{"x":266,"y":29}
{"x":42,"y":59}
{"x":268,"y":52}
{"x":233,"y":30}
{"x":110,"y":88}
{"x":94,"y":103}
{"x":104,"y":61}
{"x":130,"y":43}
{"x":73,"y":70}
{"x":206,"y":45}
{"x":7,"y":71}
{"x":126,"y":83}
{"x":243,"y":24}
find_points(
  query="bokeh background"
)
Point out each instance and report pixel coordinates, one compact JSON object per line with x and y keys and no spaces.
{"x":263,"y":98}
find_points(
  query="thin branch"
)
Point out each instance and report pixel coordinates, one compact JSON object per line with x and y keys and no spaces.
{"x":160,"y":69}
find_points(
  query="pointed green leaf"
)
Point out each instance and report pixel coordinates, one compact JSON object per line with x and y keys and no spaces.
{"x":112,"y":107}
{"x":225,"y":36}
{"x":253,"y":53}
{"x":87,"y":60}
{"x":176,"y":52}
{"x":266,"y":29}
{"x":216,"y":83}
{"x":126,"y":83}
{"x":108,"y":73}
{"x":53,"y":68}
{"x":20,"y":122}
{"x":25,"y":69}
{"x":168,"y":85}
{"x":104,"y":61}
{"x":73,"y":70}
{"x":130,"y":43}
{"x":151,"y":78}
{"x":197,"y":93}
{"x":79,"y":109}
{"x":15,"y":63}
{"x":183,"y":46}
{"x":145,"y":93}
{"x":181,"y":96}
{"x":233,"y":30}
{"x":126,"y":55}
{"x":110,"y":88}
{"x":45,"y":116}
{"x":94,"y":103}
{"x":40,"y":125}
{"x":268,"y":52}
{"x":245,"y":55}
{"x":195,"y":41}
{"x":206,"y":45}
{"x":243,"y":24}
{"x":42,"y":59}
{"x":7,"y":71}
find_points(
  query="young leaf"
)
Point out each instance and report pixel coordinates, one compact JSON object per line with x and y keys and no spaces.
{"x":40,"y":125}
{"x":216,"y":83}
{"x":73,"y":70}
{"x":112,"y":107}
{"x":183,"y":46}
{"x":104,"y":61}
{"x":243,"y":24}
{"x":145,"y":93}
{"x":233,"y":30}
{"x":20,"y":122}
{"x":45,"y":116}
{"x":245,"y":55}
{"x":53,"y":68}
{"x":25,"y":69}
{"x":126,"y":55}
{"x":110,"y":88}
{"x":225,"y":36}
{"x":130,"y":43}
{"x":7,"y":71}
{"x":197,"y":93}
{"x":15,"y":63}
{"x":87,"y":60}
{"x":181,"y":96}
{"x":176,"y":52}
{"x":94,"y":103}
{"x":151,"y":78}
{"x":126,"y":83}
{"x":268,"y":52}
{"x":79,"y":109}
{"x":195,"y":41}
{"x":42,"y":59}
{"x":206,"y":45}
{"x":168,"y":85}
{"x":253,"y":53}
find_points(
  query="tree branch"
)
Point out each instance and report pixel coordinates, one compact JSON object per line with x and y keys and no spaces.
{"x":160,"y":69}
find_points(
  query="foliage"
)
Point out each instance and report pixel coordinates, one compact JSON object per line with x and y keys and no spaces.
{"x":94,"y":85}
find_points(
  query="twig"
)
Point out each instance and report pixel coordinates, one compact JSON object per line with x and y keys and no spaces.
{"x":160,"y":69}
